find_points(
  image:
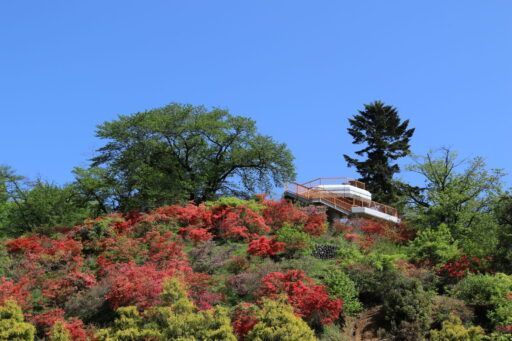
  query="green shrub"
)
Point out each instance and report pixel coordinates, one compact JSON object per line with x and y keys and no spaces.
{"x":406,"y":306}
{"x":381,"y":261}
{"x":333,"y":333}
{"x":128,"y":326}
{"x":483,"y":289}
{"x":341,"y":286}
{"x":443,"y":307}
{"x":497,"y":336}
{"x":313,"y":267}
{"x":6,"y":262}
{"x":59,"y":332}
{"x":91,"y":305}
{"x":276,"y":322}
{"x":96,"y":229}
{"x":12,"y":326}
{"x":235,"y":202}
{"x":348,"y":253}
{"x":367,"y":281}
{"x":297,"y":242}
{"x":433,"y":247}
{"x":453,"y":330}
{"x":488,"y":294}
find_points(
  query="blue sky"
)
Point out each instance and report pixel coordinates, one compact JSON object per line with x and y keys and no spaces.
{"x":299,"y":68}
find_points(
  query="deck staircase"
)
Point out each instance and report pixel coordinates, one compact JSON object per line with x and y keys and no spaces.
{"x":343,"y":195}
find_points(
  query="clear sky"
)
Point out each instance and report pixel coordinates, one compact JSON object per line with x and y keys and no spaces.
{"x":299,"y":68}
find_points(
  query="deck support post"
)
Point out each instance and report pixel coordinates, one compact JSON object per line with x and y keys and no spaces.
{"x":333,"y":216}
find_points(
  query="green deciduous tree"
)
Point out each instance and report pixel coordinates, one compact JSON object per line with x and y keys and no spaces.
{"x":27,"y":205}
{"x":387,"y":139}
{"x":185,"y":152}
{"x":10,"y":186}
{"x":463,"y":201}
{"x":503,"y":252}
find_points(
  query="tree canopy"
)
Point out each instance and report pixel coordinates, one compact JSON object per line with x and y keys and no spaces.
{"x":184,"y":152}
{"x":387,"y":139}
{"x":26,"y":205}
{"x":464,"y":201}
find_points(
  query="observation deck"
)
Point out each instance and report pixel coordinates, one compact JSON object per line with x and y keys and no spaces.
{"x":345,"y":196}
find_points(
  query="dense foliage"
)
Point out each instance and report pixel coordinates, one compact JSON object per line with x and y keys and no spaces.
{"x":182,"y":152}
{"x":235,"y":269}
{"x":78,"y":262}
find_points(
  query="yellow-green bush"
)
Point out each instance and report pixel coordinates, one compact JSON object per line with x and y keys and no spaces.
{"x":181,"y":320}
{"x":12,"y":326}
{"x":59,"y":332}
{"x":178,"y":320}
{"x":453,"y":330}
{"x":277,"y":322}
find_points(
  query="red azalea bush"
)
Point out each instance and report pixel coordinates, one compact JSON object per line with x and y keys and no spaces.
{"x":279,"y":213}
{"x":371,"y":230}
{"x":161,"y":250}
{"x":47,"y":252}
{"x":117,"y":249}
{"x":30,"y":244}
{"x":505,"y":329}
{"x":372,"y":227}
{"x":136,"y":285}
{"x":59,"y":290}
{"x":265,"y":247}
{"x":244,"y":319}
{"x":197,"y":235}
{"x":76,"y":330}
{"x":316,"y":222}
{"x":310,"y":301}
{"x":378,"y":229}
{"x":46,"y":320}
{"x":188,"y":215}
{"x":15,"y":291}
{"x":198,"y":286}
{"x":141,"y":285}
{"x":237,"y":223}
{"x":222,"y":222}
{"x":460,"y":267}
{"x":351,"y":237}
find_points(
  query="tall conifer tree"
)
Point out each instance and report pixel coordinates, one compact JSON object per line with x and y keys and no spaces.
{"x":387,"y":139}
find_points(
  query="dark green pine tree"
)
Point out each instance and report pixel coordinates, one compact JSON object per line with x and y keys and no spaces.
{"x":386,"y":139}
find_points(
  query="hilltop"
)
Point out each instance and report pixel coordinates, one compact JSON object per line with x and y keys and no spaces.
{"x":247,"y":270}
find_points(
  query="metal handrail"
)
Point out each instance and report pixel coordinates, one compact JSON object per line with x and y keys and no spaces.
{"x":335,"y":181}
{"x":312,"y":194}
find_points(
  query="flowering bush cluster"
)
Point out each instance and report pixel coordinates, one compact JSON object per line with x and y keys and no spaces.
{"x":265,"y":247}
{"x":117,"y":261}
{"x":311,"y":301}
{"x":461,"y":267}
{"x":176,"y":268}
